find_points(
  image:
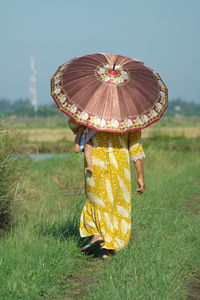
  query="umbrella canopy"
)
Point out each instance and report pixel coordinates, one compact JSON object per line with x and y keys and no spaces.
{"x":109,"y":92}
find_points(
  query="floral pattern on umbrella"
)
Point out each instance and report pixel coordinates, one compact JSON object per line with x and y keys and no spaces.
{"x":118,"y":76}
{"x":114,"y":81}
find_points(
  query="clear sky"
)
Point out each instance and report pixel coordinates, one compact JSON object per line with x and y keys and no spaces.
{"x":165,"y":34}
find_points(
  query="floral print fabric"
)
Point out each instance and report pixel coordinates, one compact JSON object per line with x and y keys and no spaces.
{"x":108,"y":189}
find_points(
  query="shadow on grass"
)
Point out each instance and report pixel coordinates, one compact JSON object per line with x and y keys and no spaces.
{"x":66,"y":228}
{"x":63,"y":227}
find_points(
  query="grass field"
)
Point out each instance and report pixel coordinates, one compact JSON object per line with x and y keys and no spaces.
{"x":41,"y":256}
{"x":54,"y":135}
{"x":60,"y":121}
{"x":61,"y":140}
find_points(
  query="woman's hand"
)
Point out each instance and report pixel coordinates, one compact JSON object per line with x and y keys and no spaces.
{"x":140,"y":181}
{"x":77,"y":148}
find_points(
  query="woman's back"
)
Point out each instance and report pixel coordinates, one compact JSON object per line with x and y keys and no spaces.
{"x":107,"y":140}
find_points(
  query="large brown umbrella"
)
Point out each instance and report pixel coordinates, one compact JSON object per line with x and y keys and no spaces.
{"x":109,"y":92}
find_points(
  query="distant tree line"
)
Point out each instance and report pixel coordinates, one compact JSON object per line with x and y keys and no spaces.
{"x":22,"y":107}
{"x":180,"y":107}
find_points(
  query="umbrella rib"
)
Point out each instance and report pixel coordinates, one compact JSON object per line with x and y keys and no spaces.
{"x":79,"y":79}
{"x":143,"y":97}
{"x":142,"y":94}
{"x":116,"y":101}
{"x":100,"y":95}
{"x":124,"y":96}
{"x":83,"y":87}
{"x":104,"y":106}
{"x":74,"y":80}
{"x":148,"y":86}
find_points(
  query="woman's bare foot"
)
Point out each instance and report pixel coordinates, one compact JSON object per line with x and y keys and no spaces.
{"x":94,"y":239}
{"x":89,"y":168}
{"x":93,"y":245}
{"x":77,"y":148}
{"x":108,"y":253}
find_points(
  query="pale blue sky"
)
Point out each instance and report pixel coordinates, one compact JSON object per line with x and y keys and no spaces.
{"x":165,"y":34}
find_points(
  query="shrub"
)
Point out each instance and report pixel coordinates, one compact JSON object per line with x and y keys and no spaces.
{"x":12,"y":165}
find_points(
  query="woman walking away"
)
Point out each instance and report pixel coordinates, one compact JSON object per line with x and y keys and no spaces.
{"x":117,"y":96}
{"x":106,"y":217}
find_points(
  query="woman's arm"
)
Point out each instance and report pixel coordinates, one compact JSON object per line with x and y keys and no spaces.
{"x":137,"y":154}
{"x":140,"y":176}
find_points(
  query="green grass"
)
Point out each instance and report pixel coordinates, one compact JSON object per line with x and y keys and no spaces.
{"x":163,"y":253}
{"x":42,"y":249}
{"x":41,"y":257}
{"x":34,"y":265}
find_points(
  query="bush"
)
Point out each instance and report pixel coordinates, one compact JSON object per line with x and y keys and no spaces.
{"x":12,"y":164}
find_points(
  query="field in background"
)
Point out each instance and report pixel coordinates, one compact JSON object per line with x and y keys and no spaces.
{"x":46,"y":132}
{"x":41,"y":254}
{"x":60,"y":121}
{"x":54,"y":135}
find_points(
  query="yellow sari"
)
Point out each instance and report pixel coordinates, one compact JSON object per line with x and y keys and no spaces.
{"x":107,"y":211}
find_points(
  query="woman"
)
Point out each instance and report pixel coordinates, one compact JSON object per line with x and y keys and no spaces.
{"x":107,"y":213}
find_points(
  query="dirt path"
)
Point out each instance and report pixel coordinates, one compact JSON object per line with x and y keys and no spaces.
{"x":194,"y":289}
{"x":78,"y":284}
